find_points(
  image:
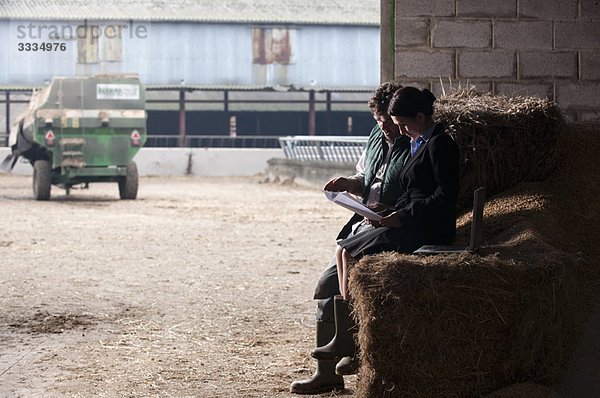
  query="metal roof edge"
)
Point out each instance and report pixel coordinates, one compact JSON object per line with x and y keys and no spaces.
{"x":197,"y":20}
{"x":242,"y":87}
{"x":211,"y":87}
{"x":20,"y":88}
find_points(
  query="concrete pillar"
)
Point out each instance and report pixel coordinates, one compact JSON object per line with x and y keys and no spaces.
{"x":388,"y":40}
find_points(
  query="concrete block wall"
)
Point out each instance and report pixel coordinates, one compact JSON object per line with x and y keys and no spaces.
{"x":545,"y":48}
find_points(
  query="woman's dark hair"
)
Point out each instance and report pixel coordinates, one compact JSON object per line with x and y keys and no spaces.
{"x":408,"y":101}
{"x":380,"y":100}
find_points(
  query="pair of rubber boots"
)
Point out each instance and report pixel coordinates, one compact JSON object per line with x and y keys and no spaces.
{"x":335,"y":341}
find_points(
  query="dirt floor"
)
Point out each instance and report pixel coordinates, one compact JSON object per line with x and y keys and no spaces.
{"x":201,"y":287}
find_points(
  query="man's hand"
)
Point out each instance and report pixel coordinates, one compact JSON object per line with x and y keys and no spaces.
{"x":392,"y":220}
{"x":340,"y":184}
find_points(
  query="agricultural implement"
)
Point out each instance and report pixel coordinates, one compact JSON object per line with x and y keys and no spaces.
{"x":82,"y":130}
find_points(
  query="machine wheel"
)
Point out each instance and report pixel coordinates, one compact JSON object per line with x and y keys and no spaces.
{"x":128,"y":185}
{"x":42,"y":179}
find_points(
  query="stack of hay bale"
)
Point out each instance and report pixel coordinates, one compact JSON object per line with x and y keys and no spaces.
{"x":467,"y":325}
{"x":503,"y":140}
{"x":461,"y":325}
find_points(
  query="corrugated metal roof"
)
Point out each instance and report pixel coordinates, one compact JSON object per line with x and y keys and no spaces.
{"x":326,"y":12}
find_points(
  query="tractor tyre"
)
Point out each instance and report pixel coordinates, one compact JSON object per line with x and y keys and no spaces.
{"x":128,"y":184}
{"x":42,"y":179}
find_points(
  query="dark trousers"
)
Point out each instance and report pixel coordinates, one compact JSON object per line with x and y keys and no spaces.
{"x":327,"y":287}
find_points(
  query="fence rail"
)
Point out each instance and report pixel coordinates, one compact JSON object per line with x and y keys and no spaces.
{"x":328,"y":148}
{"x":213,"y":141}
{"x":299,"y":147}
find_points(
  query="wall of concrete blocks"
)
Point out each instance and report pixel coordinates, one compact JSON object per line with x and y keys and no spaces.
{"x":544,"y":48}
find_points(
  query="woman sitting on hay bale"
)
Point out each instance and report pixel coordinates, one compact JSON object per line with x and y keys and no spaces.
{"x":425,"y":213}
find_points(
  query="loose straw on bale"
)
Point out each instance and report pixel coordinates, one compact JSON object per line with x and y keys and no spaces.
{"x":460,"y":325}
{"x":503,"y":140}
{"x":524,"y":390}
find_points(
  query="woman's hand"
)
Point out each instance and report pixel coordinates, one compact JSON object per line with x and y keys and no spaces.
{"x":374,"y":223}
{"x":404,"y":130}
{"x":392,"y":220}
{"x":381,"y":208}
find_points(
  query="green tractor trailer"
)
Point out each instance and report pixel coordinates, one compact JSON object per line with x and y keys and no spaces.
{"x":80,"y":130}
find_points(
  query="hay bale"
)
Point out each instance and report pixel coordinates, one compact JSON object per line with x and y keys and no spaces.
{"x":461,"y":325}
{"x":524,"y":390}
{"x":503,"y":140}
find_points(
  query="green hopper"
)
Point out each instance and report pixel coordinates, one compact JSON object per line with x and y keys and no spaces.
{"x":80,"y":130}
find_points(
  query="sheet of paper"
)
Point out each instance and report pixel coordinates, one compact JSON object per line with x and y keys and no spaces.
{"x":348,"y":201}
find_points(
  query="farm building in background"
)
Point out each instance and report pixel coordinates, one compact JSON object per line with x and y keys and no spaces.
{"x":219,"y":68}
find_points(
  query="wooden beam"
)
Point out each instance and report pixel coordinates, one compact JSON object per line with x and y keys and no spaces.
{"x":7,"y":117}
{"x":182,"y":117}
{"x":312,"y":120}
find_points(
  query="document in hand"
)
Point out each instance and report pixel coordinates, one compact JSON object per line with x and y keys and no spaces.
{"x":348,"y":201}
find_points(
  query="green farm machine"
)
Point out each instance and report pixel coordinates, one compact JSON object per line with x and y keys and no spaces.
{"x":79,"y":130}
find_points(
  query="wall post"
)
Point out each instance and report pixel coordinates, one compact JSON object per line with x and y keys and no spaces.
{"x":388,"y":40}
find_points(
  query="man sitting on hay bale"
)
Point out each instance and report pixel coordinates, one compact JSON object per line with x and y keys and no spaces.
{"x":426,"y":184}
{"x":386,"y":149}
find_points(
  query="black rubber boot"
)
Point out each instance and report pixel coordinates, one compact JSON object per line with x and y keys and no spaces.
{"x":342,"y":344}
{"x":348,"y":366}
{"x":324,"y":379}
